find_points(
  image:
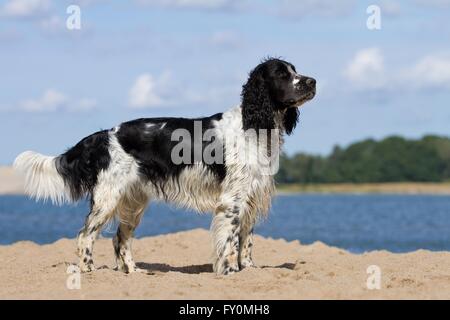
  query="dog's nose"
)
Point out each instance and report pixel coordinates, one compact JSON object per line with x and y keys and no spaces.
{"x":310,"y":82}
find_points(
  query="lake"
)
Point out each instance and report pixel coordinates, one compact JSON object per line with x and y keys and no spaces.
{"x":359,"y":223}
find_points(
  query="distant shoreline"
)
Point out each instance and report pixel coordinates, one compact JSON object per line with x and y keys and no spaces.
{"x":432,"y":188}
{"x":10,"y":184}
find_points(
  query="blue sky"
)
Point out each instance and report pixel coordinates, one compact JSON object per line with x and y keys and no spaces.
{"x":190,"y":58}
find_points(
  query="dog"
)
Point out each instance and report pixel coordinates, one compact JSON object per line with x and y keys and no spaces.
{"x":120,"y":170}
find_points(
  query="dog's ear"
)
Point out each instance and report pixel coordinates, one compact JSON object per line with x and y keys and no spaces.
{"x":257,"y":107}
{"x":290,"y":119}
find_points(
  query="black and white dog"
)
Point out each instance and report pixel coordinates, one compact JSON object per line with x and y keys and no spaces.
{"x":124,"y":168}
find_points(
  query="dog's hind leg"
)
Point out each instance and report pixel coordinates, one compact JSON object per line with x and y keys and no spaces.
{"x":103,"y":208}
{"x":130,"y":210}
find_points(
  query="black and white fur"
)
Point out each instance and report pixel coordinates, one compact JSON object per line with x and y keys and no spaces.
{"x":124,"y":168}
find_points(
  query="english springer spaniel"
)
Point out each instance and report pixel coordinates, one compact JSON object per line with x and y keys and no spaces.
{"x":222,"y":164}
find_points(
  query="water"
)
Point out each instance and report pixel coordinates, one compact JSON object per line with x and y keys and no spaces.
{"x":357,"y":223}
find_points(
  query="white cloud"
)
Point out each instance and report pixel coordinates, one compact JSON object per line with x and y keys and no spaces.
{"x":366,"y":70}
{"x":191,"y":4}
{"x":148,"y":92}
{"x":285,"y":8}
{"x":432,"y":71}
{"x":54,"y":25}
{"x":53,"y":100}
{"x":40,"y":13}
{"x":85,"y":3}
{"x":24,"y":8}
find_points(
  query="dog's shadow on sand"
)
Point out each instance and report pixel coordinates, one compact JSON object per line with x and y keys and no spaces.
{"x":196,"y":269}
{"x":286,"y":265}
{"x":163,"y":267}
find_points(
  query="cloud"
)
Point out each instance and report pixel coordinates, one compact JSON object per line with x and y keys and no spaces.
{"x":432,"y":71}
{"x":283,"y":8}
{"x":148,"y":92}
{"x":366,"y":69}
{"x":301,"y":8}
{"x":41,"y":15}
{"x":53,"y":100}
{"x":192,"y":4}
{"x":366,"y":72}
{"x":85,"y":3}
{"x":24,"y":8}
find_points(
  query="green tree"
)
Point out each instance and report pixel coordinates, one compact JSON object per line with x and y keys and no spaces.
{"x":393,"y":159}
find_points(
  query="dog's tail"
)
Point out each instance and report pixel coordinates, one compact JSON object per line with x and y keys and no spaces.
{"x":42,"y":179}
{"x":68,"y":177}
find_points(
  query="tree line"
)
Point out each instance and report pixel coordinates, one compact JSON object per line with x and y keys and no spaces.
{"x":393,"y":159}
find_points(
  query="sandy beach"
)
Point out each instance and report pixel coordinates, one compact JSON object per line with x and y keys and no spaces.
{"x":180,"y":269}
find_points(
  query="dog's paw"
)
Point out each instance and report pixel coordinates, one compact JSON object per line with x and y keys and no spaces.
{"x":226,"y":269}
{"x":230,"y":270}
{"x":247,"y":264}
{"x":87,"y":267}
{"x":140,"y":270}
{"x":131,"y":269}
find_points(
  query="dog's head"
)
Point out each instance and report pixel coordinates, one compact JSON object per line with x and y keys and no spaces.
{"x":274,"y":86}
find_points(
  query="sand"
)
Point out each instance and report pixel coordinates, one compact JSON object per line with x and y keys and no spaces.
{"x":180,"y":269}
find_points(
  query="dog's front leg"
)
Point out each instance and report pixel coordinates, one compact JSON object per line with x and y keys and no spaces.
{"x":246,"y":239}
{"x":246,"y":246}
{"x":226,"y":228}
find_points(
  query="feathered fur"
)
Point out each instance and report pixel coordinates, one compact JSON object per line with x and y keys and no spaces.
{"x":257,"y":106}
{"x":124,"y":168}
